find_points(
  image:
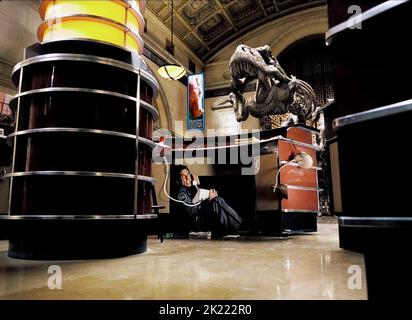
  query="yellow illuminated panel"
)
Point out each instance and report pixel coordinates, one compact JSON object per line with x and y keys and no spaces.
{"x":107,"y":9}
{"x":132,"y":22}
{"x":131,"y":44}
{"x":84,"y":29}
{"x":112,"y":21}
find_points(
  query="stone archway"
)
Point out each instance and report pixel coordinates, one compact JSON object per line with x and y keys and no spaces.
{"x":297,"y":33}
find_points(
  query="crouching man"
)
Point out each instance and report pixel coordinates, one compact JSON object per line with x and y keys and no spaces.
{"x":212,"y":214}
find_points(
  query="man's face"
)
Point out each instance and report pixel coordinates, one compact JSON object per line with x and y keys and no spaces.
{"x":185,"y":178}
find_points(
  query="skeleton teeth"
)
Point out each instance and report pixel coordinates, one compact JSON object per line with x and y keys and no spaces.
{"x":242,"y":68}
{"x":235,"y":69}
{"x":238,"y":68}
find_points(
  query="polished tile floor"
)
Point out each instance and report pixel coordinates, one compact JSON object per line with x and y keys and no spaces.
{"x":298,"y":267}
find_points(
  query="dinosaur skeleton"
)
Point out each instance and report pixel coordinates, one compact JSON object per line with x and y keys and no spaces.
{"x":276,"y":92}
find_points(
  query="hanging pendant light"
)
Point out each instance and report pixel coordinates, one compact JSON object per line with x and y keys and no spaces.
{"x":171,"y":71}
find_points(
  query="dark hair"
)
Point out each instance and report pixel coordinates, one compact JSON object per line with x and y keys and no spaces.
{"x":177,"y":170}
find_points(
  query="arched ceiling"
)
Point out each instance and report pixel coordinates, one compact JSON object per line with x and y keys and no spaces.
{"x":206,"y":26}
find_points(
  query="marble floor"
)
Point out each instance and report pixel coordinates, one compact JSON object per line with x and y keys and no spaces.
{"x":310,"y":266}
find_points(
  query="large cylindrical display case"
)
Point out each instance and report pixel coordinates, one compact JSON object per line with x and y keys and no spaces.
{"x":81,"y":177}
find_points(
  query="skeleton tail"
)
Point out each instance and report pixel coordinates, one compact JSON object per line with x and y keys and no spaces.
{"x":306,"y":94}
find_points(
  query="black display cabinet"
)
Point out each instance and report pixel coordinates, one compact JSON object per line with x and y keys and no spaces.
{"x":81,"y":178}
{"x":369,"y":124}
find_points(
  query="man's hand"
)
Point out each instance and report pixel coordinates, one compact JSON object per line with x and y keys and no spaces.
{"x":195,"y":178}
{"x":212,"y":194}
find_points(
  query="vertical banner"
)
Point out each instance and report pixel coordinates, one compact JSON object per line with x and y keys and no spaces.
{"x":196,"y":102}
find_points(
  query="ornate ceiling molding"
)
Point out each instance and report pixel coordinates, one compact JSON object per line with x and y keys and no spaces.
{"x":206,"y":26}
